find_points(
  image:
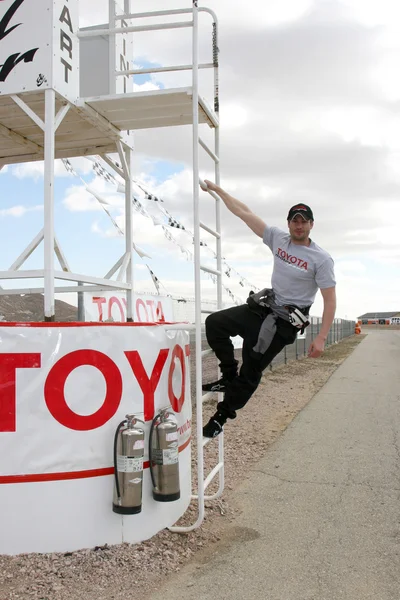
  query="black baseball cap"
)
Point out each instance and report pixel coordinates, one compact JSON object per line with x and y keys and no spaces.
{"x":301,"y":209}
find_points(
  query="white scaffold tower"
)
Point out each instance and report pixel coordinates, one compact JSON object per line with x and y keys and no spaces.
{"x":52,"y":107}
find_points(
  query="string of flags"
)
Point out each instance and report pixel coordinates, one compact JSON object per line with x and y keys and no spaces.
{"x":103,"y":203}
{"x":175,"y":223}
{"x":101,"y":172}
{"x":168,"y":221}
{"x":155,"y":279}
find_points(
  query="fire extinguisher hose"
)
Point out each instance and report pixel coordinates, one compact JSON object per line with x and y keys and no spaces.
{"x":115,"y":458}
{"x":150,"y":447}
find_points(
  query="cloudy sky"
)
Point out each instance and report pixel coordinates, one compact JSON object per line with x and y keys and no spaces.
{"x":310,"y":104}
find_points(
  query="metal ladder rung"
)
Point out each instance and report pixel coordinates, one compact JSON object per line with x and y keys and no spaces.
{"x":209,"y":230}
{"x":206,"y":440}
{"x":209,"y":479}
{"x":209,"y":151}
{"x":212,"y":474}
{"x":164,"y":69}
{"x":206,"y":397}
{"x":206,"y":352}
{"x":209,"y":270}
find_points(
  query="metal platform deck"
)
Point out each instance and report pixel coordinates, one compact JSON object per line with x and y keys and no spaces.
{"x":92,"y":125}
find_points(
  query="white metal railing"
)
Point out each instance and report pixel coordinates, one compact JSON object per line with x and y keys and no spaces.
{"x":111,"y":31}
{"x":218,"y":470}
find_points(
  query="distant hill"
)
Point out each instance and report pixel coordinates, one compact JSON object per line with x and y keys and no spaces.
{"x":30,"y":307}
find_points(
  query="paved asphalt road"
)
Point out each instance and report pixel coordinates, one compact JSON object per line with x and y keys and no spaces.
{"x":321,"y":511}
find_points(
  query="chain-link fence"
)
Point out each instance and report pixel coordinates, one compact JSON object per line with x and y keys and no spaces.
{"x":339,"y":330}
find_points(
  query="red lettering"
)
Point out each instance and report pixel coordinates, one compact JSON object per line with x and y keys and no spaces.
{"x":139,"y":302}
{"x":150,"y":303}
{"x":99,"y":301}
{"x":159,"y":312}
{"x":9,"y":363}
{"x":54,"y":390}
{"x":115,"y":300}
{"x":177,"y":403}
{"x":147,"y":385}
{"x":292,"y":259}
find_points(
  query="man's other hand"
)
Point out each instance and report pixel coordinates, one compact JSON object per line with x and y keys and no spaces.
{"x":316,"y":348}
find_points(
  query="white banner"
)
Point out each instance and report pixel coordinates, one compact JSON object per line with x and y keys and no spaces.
{"x":112,"y":306}
{"x":64,"y":391}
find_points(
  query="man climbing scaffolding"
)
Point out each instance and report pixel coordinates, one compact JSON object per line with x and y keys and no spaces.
{"x":270,"y":319}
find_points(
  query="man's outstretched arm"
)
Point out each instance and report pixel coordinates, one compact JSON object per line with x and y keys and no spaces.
{"x":239,"y":209}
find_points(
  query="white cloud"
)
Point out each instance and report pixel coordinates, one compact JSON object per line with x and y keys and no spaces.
{"x":19,"y":211}
{"x":148,"y":86}
{"x":35,"y":170}
{"x":78,"y":199}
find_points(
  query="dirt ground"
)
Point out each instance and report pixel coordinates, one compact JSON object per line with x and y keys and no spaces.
{"x":119,"y":572}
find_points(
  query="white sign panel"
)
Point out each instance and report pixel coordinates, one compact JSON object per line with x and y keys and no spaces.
{"x":66,"y":48}
{"x":25,"y":45}
{"x":111,"y":306}
{"x":38,"y":46}
{"x":65,"y":388}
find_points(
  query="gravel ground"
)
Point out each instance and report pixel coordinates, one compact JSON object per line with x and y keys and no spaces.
{"x":122,"y":571}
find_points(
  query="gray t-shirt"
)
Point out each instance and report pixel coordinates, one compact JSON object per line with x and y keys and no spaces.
{"x":299,"y":271}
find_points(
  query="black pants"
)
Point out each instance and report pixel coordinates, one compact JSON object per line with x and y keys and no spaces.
{"x":241,"y":320}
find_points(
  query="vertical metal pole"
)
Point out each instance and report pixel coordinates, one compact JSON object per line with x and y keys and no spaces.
{"x":129,"y":234}
{"x":112,"y":62}
{"x":218,"y":229}
{"x":197,"y":279}
{"x":81,"y":304}
{"x":49,"y":154}
{"x":285,"y":355}
{"x":297,"y":351}
{"x":218,"y":223}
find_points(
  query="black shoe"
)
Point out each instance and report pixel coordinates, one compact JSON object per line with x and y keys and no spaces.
{"x":216,"y":386}
{"x":214,"y":426}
